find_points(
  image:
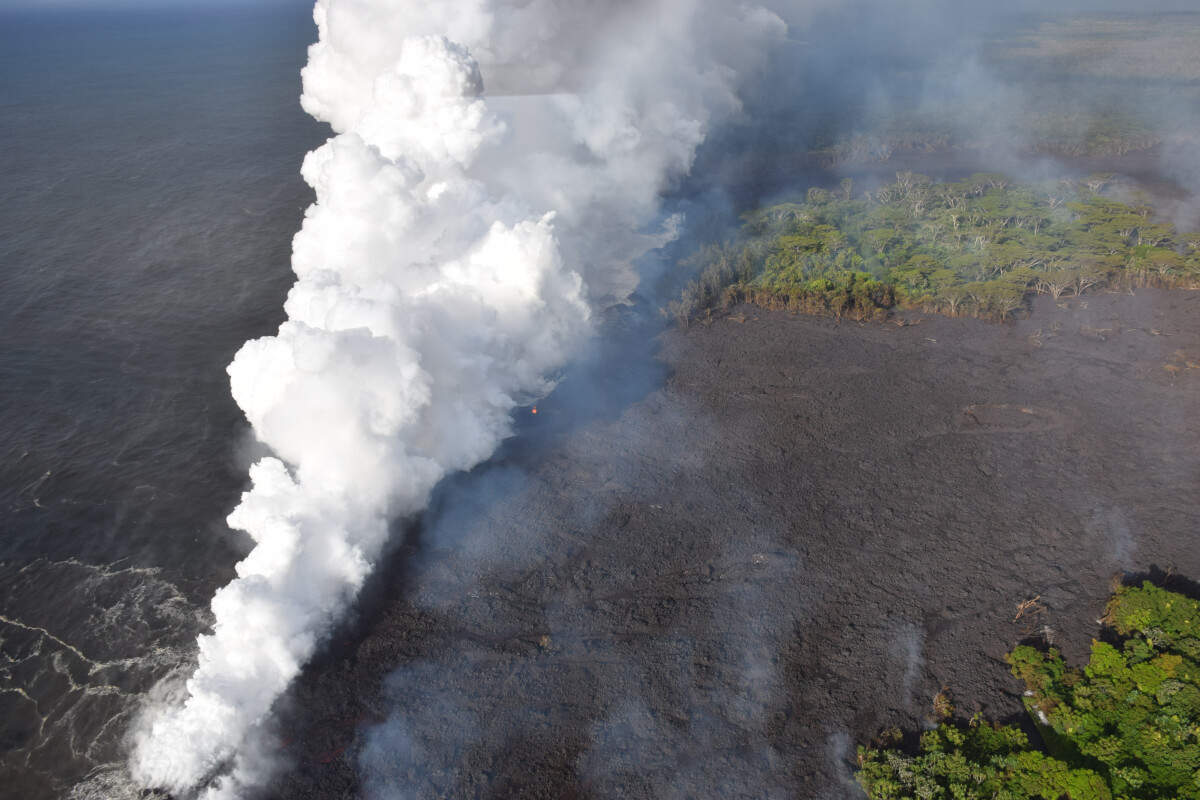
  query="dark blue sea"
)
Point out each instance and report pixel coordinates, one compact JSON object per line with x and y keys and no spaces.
{"x":149,"y":190}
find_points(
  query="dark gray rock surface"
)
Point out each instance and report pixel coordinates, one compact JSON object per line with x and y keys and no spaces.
{"x":792,"y":542}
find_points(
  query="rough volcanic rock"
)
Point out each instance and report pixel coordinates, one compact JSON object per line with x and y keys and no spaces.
{"x":796,"y":539}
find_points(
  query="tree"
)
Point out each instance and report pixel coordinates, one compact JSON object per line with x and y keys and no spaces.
{"x":1054,"y":283}
{"x":1126,"y":726}
{"x":1085,"y":278}
{"x":997,"y":297}
{"x":1098,"y":180}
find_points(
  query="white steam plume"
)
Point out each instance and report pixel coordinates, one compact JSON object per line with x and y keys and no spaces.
{"x":437,"y":290}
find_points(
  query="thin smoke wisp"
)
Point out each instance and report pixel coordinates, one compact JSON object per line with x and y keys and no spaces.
{"x":448,"y":268}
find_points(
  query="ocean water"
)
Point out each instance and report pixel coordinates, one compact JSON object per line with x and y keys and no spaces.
{"x":149,"y":190}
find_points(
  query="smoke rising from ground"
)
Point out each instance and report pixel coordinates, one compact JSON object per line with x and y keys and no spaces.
{"x":446,"y":272}
{"x":494,"y":176}
{"x":863,"y":86}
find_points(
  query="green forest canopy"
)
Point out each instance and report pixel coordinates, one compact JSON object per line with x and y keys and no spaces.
{"x":977,"y":246}
{"x":1125,"y":727}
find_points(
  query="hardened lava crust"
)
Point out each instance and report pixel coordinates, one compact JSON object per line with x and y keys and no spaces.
{"x":788,"y":535}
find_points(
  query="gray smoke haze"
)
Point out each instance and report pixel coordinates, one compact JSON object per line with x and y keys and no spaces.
{"x":495,"y":180}
{"x":443,"y":740}
{"x":982,"y":76}
{"x":1016,"y":86}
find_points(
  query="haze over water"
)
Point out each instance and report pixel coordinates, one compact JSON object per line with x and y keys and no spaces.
{"x":151,"y":189}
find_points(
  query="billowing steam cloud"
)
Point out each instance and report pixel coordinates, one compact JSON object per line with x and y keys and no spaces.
{"x":446,"y":271}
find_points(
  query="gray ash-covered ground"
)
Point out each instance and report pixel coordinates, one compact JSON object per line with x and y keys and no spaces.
{"x":792,"y":541}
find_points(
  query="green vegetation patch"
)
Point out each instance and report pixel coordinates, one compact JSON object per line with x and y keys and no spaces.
{"x":979,"y":246}
{"x":1125,"y":727}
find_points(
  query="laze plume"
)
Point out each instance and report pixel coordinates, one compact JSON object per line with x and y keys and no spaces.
{"x":445,"y":273}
